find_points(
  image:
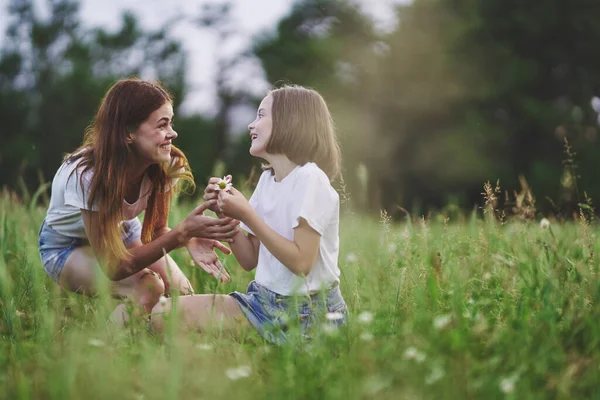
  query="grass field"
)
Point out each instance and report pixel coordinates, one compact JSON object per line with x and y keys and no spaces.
{"x":465,"y":308}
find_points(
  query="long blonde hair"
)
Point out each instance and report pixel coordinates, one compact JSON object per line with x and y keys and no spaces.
{"x":303,"y":129}
{"x":125,"y":106}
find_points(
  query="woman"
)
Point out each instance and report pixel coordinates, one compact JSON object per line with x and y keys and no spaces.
{"x":126,"y":165}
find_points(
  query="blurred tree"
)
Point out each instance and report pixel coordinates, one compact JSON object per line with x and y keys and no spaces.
{"x":54,"y":72}
{"x":329,"y":45}
{"x":461,"y":92}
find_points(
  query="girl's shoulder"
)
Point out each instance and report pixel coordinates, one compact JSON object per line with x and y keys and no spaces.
{"x":312,"y":173}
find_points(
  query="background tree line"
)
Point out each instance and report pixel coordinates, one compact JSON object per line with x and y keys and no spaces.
{"x":458,"y":93}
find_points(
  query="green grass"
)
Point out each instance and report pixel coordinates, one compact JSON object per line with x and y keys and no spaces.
{"x":464,"y":309}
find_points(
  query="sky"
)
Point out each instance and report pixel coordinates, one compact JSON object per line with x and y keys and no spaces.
{"x":252,"y":17}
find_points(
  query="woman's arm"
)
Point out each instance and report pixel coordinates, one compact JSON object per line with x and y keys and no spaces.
{"x":195,"y":225}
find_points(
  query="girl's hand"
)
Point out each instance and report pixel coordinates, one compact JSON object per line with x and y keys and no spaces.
{"x":196,"y":224}
{"x":233,"y":204}
{"x":203,"y":254}
{"x":211,"y":192}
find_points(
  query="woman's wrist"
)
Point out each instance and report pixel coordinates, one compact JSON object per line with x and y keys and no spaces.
{"x":182,"y":233}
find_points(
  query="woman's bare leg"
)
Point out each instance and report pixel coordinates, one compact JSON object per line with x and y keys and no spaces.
{"x":170,"y":273}
{"x":201,"y":312}
{"x":81,"y":272}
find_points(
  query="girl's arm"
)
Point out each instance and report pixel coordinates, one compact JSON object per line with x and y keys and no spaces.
{"x":245,"y":250}
{"x":195,"y":225}
{"x":298,"y":255}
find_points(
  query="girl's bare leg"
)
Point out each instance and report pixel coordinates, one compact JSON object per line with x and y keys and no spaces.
{"x":202,"y":312}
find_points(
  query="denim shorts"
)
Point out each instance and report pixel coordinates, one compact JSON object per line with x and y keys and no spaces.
{"x":55,"y":247}
{"x":273,"y":314}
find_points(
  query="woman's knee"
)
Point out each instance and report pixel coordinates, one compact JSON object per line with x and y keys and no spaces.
{"x":151,"y":287}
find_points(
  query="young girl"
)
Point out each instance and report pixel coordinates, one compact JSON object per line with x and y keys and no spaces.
{"x":126,"y":165}
{"x":292,"y":221}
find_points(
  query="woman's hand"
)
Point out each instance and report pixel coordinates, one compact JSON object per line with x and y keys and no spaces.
{"x":198,"y":225}
{"x":233,"y":204}
{"x":203,"y":254}
{"x":211,"y":192}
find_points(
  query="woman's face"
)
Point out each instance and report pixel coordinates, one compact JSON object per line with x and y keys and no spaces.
{"x":152,"y":140}
{"x":260,"y":128}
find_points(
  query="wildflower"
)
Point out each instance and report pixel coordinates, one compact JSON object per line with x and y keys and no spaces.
{"x":96,"y":343}
{"x":365,"y":317}
{"x":224,"y":184}
{"x":334,"y":316}
{"x":204,"y":346}
{"x":442,"y":321}
{"x":240,"y":372}
{"x":413,"y":354}
{"x":162,"y":300}
{"x":351,"y":258}
{"x":436,"y":374}
{"x":366,"y":336}
{"x":544,"y":223}
{"x":487,"y":276}
{"x":507,"y":385}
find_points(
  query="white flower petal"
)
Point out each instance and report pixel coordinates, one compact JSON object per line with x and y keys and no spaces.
{"x":334,"y":316}
{"x":544,"y":223}
{"x":365,"y":317}
{"x":96,"y":343}
{"x":351,"y":258}
{"x":441,"y":321}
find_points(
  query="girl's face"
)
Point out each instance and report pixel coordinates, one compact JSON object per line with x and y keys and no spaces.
{"x":260,"y":128}
{"x":152,"y":140}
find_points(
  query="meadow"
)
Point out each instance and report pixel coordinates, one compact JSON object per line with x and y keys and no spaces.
{"x":466,"y":307}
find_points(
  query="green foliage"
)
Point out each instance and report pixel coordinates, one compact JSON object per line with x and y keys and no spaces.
{"x":451,"y":309}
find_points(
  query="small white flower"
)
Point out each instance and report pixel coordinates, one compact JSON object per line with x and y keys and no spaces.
{"x":413,"y":354}
{"x":595,"y":104}
{"x":224,"y":184}
{"x":487,"y":276}
{"x":238,"y":373}
{"x":392,"y":247}
{"x":365,"y":317}
{"x":441,"y":321}
{"x":162,"y":300}
{"x":436,"y":374}
{"x":544,"y":223}
{"x":96,"y":343}
{"x":204,"y":346}
{"x":351,"y":258}
{"x":507,"y":385}
{"x":366,"y":336}
{"x":334,"y":316}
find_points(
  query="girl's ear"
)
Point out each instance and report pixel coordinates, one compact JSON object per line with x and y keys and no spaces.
{"x":130,"y":137}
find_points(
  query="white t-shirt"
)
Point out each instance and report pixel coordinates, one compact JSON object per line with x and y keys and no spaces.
{"x":69,"y":197}
{"x":305,"y":193}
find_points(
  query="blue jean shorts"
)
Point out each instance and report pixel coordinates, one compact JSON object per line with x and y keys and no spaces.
{"x":55,"y":247}
{"x":272,"y":314}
